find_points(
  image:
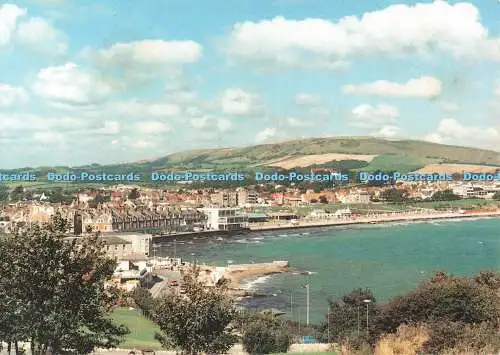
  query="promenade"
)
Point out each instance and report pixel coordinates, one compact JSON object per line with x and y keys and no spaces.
{"x":413,"y":216}
{"x":235,"y":350}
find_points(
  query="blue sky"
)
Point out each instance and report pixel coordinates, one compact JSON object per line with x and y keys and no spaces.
{"x":115,"y":81}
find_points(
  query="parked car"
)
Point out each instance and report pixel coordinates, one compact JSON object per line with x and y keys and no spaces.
{"x":172,"y":283}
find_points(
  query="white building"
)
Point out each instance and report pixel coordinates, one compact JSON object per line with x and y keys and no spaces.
{"x":225,"y":219}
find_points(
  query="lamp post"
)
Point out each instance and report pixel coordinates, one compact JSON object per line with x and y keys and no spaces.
{"x":367,"y":302}
{"x":306,"y":286}
{"x":358,"y":319}
{"x":328,"y":321}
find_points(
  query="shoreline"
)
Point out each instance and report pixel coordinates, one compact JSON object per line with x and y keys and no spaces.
{"x":239,"y":275}
{"x":379,"y":220}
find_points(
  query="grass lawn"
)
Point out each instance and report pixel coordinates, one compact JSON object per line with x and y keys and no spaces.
{"x":142,"y":330}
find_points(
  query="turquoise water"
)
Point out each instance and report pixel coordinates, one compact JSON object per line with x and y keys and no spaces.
{"x":389,"y":259}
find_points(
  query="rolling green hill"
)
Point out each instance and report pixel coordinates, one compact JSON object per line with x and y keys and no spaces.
{"x":401,"y":155}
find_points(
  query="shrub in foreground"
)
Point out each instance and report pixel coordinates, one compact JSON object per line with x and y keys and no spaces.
{"x":266,"y":334}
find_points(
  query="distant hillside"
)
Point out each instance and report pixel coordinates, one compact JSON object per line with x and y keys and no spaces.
{"x":353,"y":153}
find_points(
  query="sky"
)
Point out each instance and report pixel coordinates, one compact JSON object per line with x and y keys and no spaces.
{"x":88,"y":81}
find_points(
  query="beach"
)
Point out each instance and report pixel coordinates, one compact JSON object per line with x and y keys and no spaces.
{"x":238,"y":274}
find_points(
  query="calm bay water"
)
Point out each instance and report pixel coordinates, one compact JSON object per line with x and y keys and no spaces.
{"x":389,"y":259}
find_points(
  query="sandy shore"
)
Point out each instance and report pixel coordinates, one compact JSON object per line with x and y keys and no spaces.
{"x":236,"y":274}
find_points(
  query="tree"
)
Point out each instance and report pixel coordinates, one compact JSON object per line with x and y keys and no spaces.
{"x":199,"y":321}
{"x":346,"y":316}
{"x":53,"y":293}
{"x":57,"y":195}
{"x":58,"y":224}
{"x":144,"y":300}
{"x":444,"y":298}
{"x":393,"y":195}
{"x":17,"y":194}
{"x":445,"y":195}
{"x":496,"y":196}
{"x":265,"y":334}
{"x":134,"y":194}
{"x":4,"y":192}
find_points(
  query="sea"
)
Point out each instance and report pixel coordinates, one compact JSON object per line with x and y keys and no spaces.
{"x":389,"y":259}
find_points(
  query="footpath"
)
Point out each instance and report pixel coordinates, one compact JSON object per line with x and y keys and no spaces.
{"x":235,"y":350}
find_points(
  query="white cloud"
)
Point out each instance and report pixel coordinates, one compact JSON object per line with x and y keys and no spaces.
{"x":9,"y":15}
{"x":110,"y":127}
{"x":425,"y":87}
{"x":69,"y":84}
{"x":434,"y":138}
{"x":386,"y":131}
{"x":448,"y":106}
{"x":200,"y":122}
{"x":306,"y":99}
{"x":374,"y":117}
{"x":48,"y":137}
{"x":153,"y":52}
{"x":41,"y":35}
{"x":30,"y":122}
{"x":265,"y":134}
{"x":396,"y":30}
{"x":238,"y":102}
{"x":224,"y":125}
{"x":136,"y":108}
{"x":295,"y":122}
{"x":496,"y":91}
{"x":153,"y":127}
{"x":451,"y":131}
{"x":10,"y":95}
{"x":141,"y":144}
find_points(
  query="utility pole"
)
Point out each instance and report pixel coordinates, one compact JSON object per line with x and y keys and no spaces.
{"x":358,"y":320}
{"x":328,"y":322}
{"x":306,"y":286}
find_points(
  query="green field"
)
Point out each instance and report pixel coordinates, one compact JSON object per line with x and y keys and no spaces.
{"x":142,"y":330}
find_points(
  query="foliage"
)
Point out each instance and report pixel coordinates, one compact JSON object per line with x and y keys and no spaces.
{"x":461,"y":338}
{"x":443,"y":298}
{"x":53,"y":293}
{"x":445,"y":195}
{"x":408,"y":340}
{"x":57,"y":195}
{"x":393,"y":195}
{"x":266,"y":335}
{"x":496,"y":196}
{"x":144,"y":300}
{"x":347,"y":315}
{"x":58,"y":224}
{"x":199,"y":321}
{"x":4,"y":192}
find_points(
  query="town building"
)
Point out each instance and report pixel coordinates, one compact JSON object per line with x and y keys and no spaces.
{"x":225,"y":219}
